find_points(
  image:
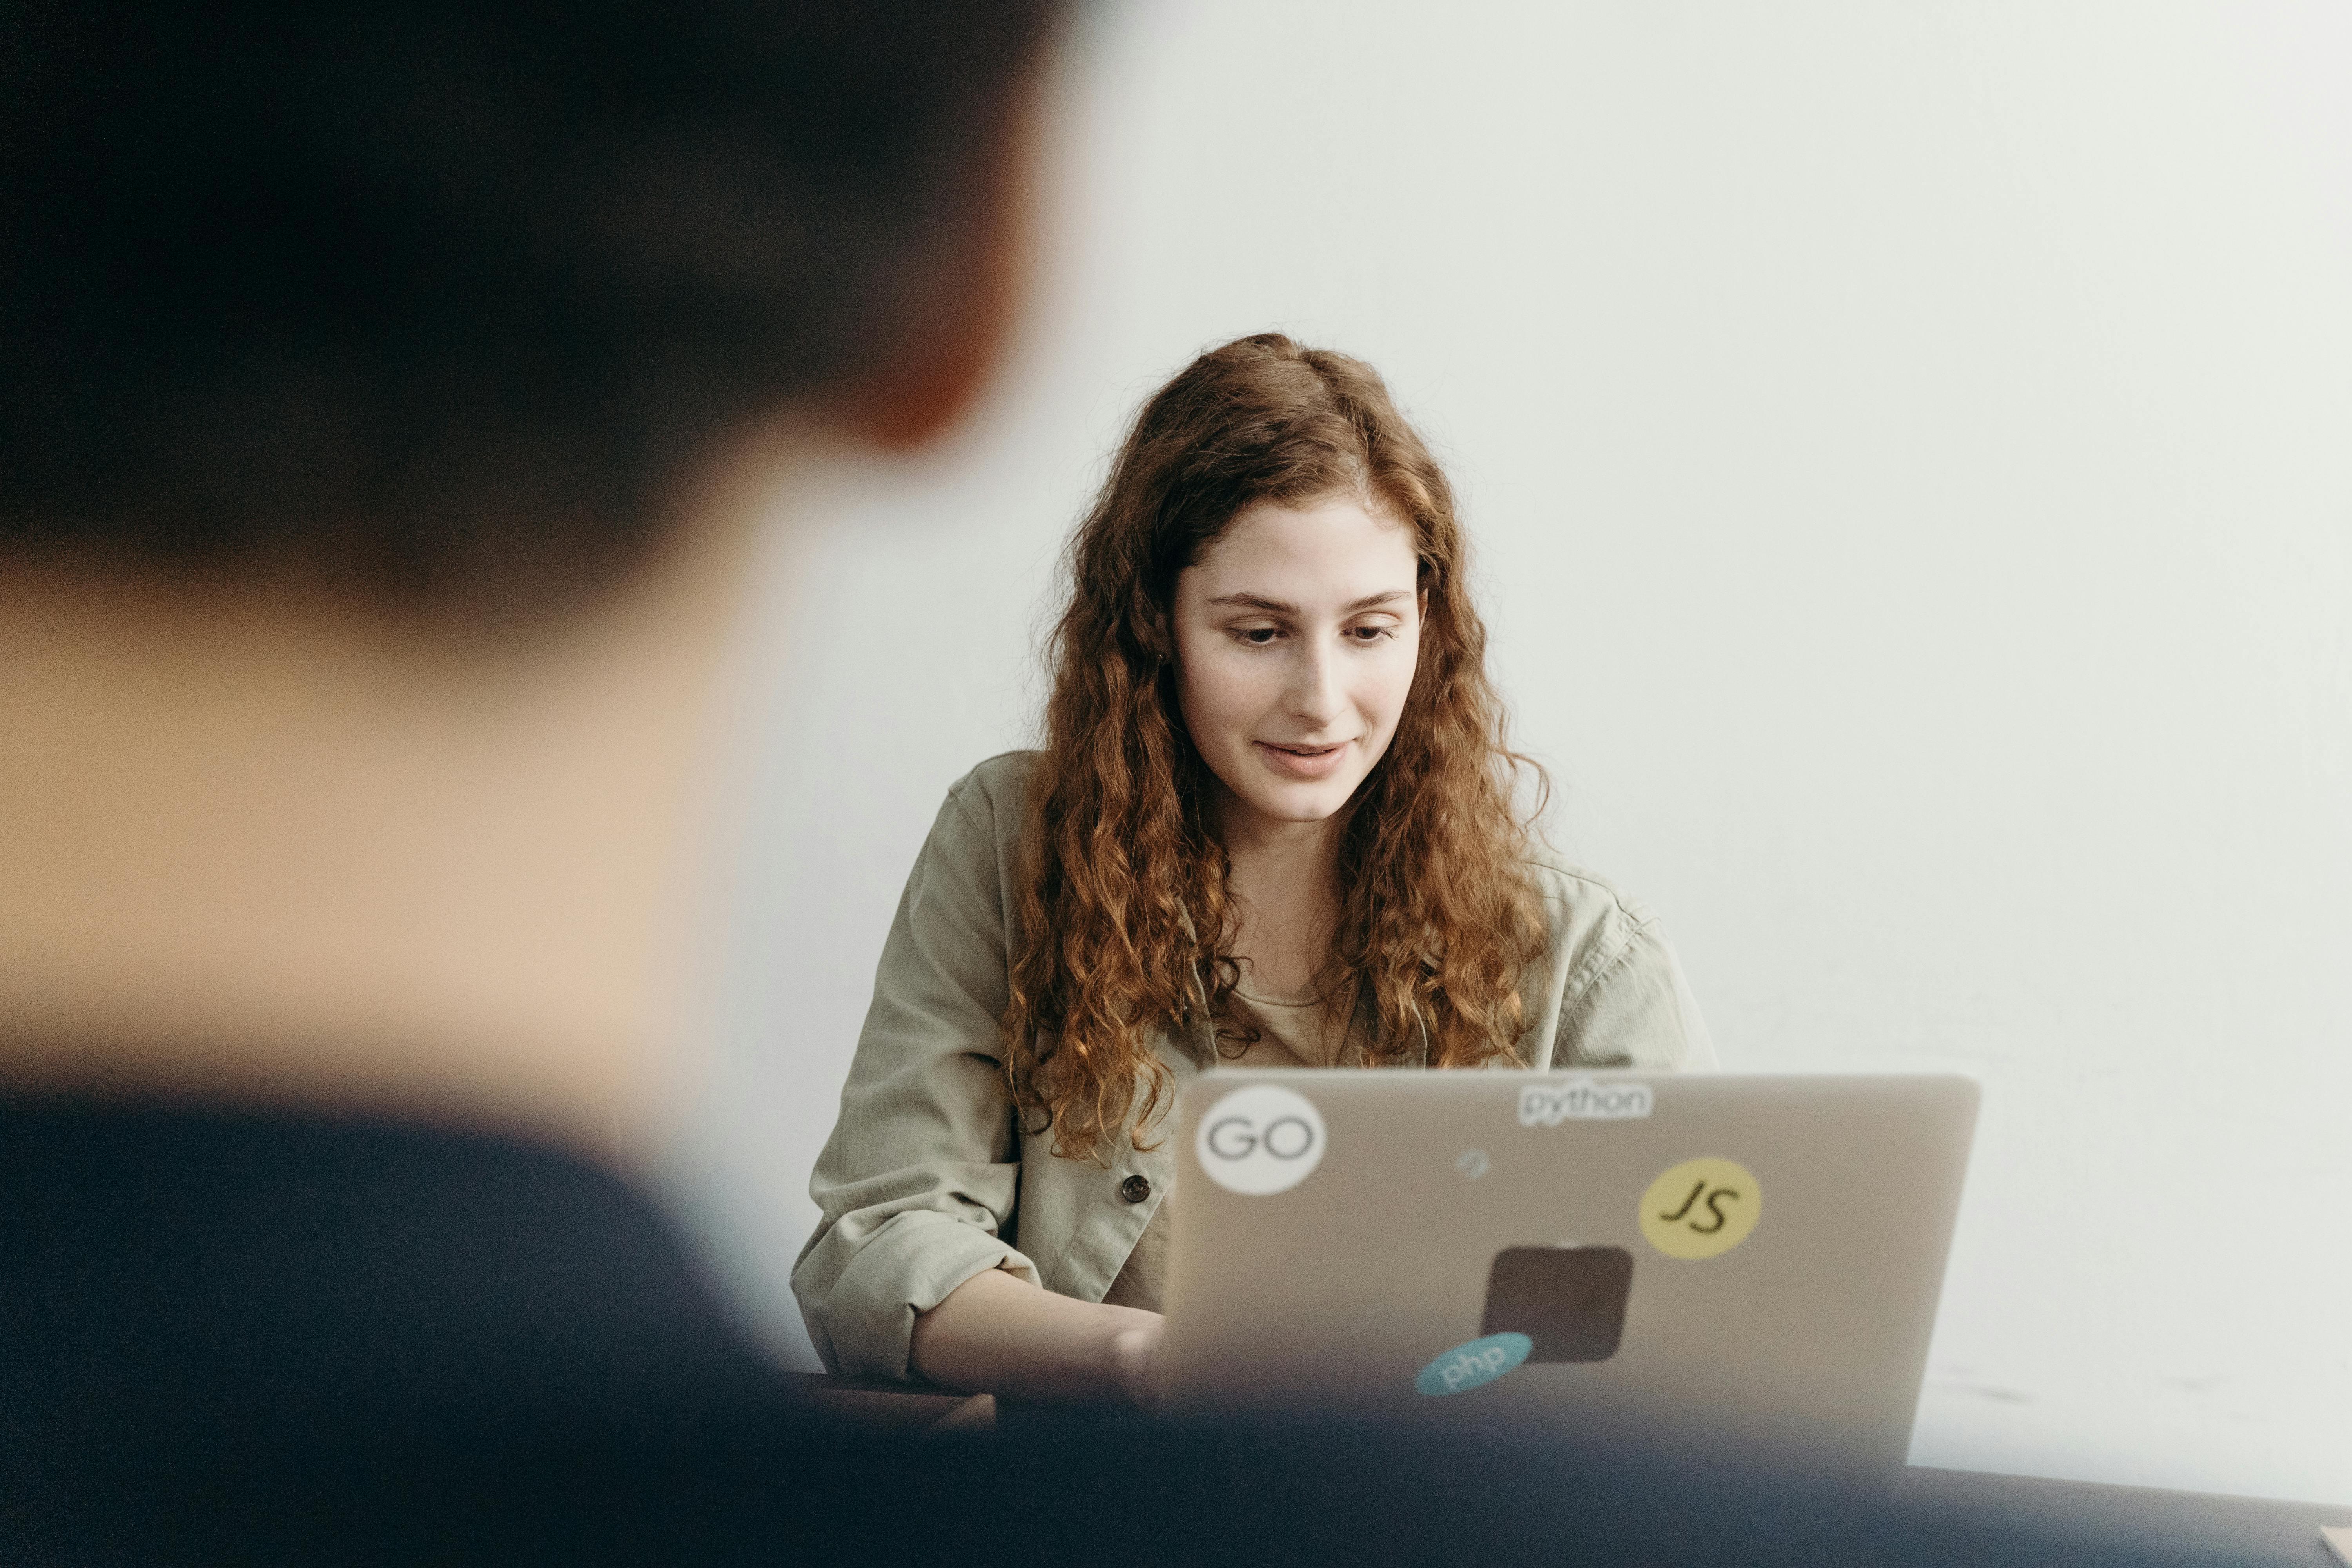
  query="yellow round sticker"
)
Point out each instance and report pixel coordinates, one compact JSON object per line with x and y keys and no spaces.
{"x":1701,"y":1208}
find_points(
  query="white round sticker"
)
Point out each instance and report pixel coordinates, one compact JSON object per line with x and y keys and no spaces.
{"x":1261,"y":1139}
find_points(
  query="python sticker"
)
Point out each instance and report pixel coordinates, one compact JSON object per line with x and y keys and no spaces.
{"x":1262,"y":1139}
{"x":1468,"y":1366}
{"x":1550,"y":1103}
{"x":1701,"y":1208}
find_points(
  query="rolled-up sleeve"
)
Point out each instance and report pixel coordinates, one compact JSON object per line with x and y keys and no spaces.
{"x":917,"y":1185}
{"x":1637,"y":1011}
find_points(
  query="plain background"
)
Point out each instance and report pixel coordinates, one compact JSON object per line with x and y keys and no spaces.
{"x":1908,"y":453}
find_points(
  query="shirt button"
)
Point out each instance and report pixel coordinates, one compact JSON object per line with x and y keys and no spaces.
{"x":1135,"y":1189}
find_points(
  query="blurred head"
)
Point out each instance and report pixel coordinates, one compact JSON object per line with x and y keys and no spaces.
{"x":438,"y":305}
{"x":337,"y":333}
{"x":1268,"y":621}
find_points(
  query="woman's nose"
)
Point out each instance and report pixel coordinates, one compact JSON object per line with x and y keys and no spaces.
{"x":1313,"y":695}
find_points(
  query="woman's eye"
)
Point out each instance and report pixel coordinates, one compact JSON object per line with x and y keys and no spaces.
{"x":1371,"y":634}
{"x":1255,"y":637}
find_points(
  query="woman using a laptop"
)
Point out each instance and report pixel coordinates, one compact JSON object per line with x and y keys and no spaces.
{"x":1273,"y":824}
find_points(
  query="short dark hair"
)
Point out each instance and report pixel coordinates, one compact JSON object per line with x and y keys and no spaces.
{"x":435,"y":300}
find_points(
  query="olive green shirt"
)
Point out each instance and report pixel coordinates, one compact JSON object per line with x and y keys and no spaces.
{"x":930,"y":1178}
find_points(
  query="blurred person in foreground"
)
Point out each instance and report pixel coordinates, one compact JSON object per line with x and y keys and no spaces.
{"x":389,"y":395}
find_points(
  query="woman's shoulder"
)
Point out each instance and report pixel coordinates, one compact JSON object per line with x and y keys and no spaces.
{"x":981,"y":817}
{"x":1623,"y":999}
{"x":1593,"y":922}
{"x":997,"y":788}
{"x":1582,"y":896}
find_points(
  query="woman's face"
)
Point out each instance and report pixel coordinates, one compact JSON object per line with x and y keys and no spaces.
{"x":1296,"y":640}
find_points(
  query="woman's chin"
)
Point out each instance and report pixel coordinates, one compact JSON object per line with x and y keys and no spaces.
{"x":1299,"y":803}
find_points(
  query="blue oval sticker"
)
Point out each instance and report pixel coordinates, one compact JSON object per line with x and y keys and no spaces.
{"x":1467,"y":1366}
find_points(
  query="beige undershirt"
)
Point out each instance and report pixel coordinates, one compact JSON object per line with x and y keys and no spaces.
{"x":1291,"y":1034}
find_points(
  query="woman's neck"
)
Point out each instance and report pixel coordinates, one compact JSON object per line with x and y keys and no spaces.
{"x":1280,"y":879}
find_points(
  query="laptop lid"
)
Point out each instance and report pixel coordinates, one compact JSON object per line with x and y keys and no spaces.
{"x":1741,"y":1260}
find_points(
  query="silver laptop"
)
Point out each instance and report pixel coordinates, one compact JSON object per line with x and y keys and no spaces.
{"x":1739,"y":1260}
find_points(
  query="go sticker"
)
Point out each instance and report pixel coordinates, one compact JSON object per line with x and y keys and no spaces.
{"x":1701,"y":1208}
{"x":1261,"y":1139}
{"x":1479,"y":1361}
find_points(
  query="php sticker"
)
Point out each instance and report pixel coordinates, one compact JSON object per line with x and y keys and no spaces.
{"x":1469,"y":1366}
{"x":1262,"y":1139}
{"x":1701,"y":1208}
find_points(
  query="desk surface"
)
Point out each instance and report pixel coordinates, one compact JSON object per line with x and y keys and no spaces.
{"x":2244,"y":1528}
{"x":2239,"y":1530}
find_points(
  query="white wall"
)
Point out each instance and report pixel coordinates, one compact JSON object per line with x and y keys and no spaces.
{"x":1909,"y":451}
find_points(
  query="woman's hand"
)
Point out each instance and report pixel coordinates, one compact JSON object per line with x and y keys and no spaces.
{"x":995,"y":1333}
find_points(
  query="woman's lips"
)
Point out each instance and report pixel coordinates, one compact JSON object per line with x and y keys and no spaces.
{"x":1302,"y":762}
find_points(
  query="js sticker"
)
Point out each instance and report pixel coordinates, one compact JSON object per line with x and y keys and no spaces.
{"x":1701,"y":1208}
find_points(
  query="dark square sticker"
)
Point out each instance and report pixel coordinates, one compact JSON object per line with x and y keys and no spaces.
{"x":1570,"y":1300}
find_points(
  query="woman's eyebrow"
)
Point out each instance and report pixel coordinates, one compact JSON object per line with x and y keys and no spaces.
{"x":1278,"y":608}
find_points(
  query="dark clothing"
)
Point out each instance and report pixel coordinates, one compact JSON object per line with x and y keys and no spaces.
{"x":207,"y":1313}
{"x":245,"y":1336}
{"x":337,"y":1271}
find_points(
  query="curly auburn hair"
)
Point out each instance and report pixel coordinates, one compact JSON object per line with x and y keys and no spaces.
{"x":1122,"y":919}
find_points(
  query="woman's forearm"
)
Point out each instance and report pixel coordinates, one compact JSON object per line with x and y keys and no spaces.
{"x":999,"y":1334}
